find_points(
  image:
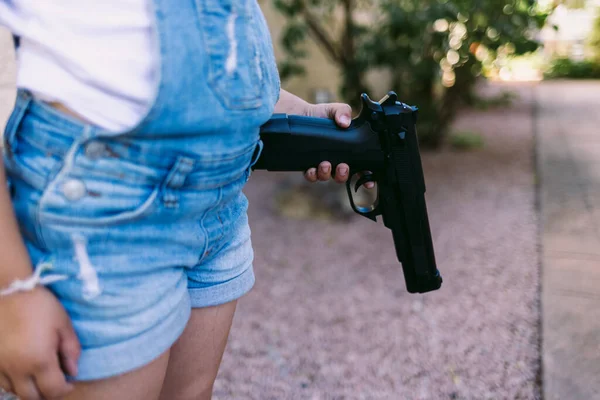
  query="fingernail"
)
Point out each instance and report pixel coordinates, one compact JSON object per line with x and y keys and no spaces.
{"x":345,"y":120}
{"x":325,"y":168}
{"x":343,"y":171}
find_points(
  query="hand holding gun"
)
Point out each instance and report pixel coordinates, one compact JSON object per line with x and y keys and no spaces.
{"x":383,"y":141}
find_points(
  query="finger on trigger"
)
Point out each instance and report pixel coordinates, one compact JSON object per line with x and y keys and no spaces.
{"x":311,"y":175}
{"x":369,"y":184}
{"x":324,"y":171}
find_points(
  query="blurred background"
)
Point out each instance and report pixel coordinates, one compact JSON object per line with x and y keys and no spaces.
{"x":509,"y":113}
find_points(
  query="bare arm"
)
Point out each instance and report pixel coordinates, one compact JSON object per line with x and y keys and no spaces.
{"x":37,"y":341}
{"x":291,"y":104}
{"x":14,"y":260}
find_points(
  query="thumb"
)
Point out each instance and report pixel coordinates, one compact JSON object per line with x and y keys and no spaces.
{"x":69,"y":349}
{"x":341,"y":113}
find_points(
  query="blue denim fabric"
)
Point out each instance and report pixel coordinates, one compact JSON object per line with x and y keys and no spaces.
{"x":146,"y":224}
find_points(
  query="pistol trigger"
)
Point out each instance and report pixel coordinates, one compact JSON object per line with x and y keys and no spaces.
{"x":364,"y":179}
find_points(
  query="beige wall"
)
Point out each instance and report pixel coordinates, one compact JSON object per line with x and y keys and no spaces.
{"x":7,"y":77}
{"x":320,"y":72}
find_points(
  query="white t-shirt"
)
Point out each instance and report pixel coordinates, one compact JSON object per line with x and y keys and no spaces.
{"x":95,"y":57}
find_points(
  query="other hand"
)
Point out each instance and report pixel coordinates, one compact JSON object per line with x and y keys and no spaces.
{"x":37,"y":346}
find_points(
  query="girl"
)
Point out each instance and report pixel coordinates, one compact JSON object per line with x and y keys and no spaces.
{"x":124,"y":236}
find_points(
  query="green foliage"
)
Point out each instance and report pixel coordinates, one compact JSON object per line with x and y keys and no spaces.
{"x":434,"y":49}
{"x":466,"y":141}
{"x":567,"y":68}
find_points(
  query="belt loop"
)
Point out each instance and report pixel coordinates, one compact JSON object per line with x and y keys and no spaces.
{"x":257,"y":152}
{"x":16,"y":41}
{"x":175,"y":180}
{"x":22,"y":103}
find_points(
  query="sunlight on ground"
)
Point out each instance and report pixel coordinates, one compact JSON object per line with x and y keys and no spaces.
{"x":527,"y":68}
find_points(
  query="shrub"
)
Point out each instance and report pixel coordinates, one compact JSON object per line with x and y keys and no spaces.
{"x":567,"y":68}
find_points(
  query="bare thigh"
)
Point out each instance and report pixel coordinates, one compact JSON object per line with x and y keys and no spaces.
{"x":196,"y":356}
{"x":142,"y":384}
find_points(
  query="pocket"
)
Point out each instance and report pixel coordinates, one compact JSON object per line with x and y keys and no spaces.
{"x":88,"y":202}
{"x":79,"y":196}
{"x":234,"y":60}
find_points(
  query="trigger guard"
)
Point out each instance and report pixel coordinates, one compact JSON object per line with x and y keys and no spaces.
{"x":367,"y":212}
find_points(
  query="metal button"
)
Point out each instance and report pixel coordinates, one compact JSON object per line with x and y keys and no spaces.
{"x":94,"y":150}
{"x":74,"y":189}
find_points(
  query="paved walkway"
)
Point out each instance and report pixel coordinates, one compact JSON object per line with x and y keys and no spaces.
{"x":568,"y":128}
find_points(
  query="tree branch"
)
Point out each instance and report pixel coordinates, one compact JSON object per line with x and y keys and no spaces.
{"x":321,"y":36}
{"x":348,"y":36}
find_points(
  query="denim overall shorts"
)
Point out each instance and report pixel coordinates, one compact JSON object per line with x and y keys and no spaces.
{"x":144,"y":225}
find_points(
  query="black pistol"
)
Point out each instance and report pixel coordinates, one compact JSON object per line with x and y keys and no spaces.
{"x":380,"y":146}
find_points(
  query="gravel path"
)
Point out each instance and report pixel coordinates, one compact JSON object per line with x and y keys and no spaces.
{"x":330,"y":318}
